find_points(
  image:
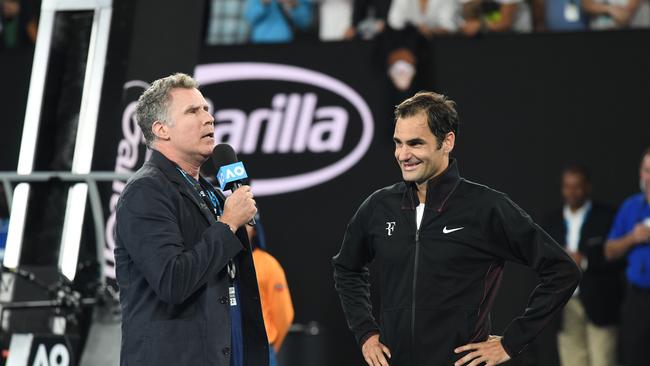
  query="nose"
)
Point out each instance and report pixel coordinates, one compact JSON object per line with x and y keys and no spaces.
{"x":402,"y":153}
{"x":209,"y":118}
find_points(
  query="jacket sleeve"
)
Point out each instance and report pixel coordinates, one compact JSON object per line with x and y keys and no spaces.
{"x":517,"y":238}
{"x":594,"y":248}
{"x":351,"y":276}
{"x":396,"y":14}
{"x":255,"y":10}
{"x":148,"y":227}
{"x":302,"y":14}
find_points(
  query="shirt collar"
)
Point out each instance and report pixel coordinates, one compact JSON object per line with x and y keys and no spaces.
{"x":439,"y":189}
{"x":579,"y":213}
{"x":170,"y":169}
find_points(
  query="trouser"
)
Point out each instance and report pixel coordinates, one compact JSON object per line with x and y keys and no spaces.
{"x":635,"y":330}
{"x":273,"y":361}
{"x":581,"y":342}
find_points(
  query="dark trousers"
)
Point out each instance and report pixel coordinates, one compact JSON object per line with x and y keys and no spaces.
{"x":635,"y":327}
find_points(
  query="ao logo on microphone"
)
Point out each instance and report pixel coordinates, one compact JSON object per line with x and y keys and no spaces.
{"x":302,"y":127}
{"x":231,"y":173}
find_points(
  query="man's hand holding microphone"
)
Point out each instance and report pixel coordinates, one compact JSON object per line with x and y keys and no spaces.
{"x":240,"y":207}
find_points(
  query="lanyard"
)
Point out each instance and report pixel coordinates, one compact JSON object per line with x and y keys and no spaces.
{"x":209,"y":198}
{"x":232,"y":270}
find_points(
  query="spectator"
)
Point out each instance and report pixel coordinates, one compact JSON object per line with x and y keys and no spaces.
{"x":616,"y":14}
{"x":368,"y":18}
{"x":226,"y":23}
{"x":495,"y":16}
{"x":275,"y":21}
{"x":18,"y":23}
{"x":4,"y":222}
{"x":430,"y":17}
{"x":412,"y":24}
{"x":277,"y":307}
{"x":559,"y":15}
{"x":334,"y":19}
{"x":588,"y":334}
{"x":630,"y":238}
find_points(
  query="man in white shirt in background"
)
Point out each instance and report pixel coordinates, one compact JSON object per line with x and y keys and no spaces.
{"x":589,"y":324}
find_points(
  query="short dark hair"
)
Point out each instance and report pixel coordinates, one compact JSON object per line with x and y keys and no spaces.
{"x":578,"y":169}
{"x":440,"y":111}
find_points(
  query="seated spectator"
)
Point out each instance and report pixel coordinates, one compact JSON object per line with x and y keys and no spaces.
{"x":274,"y":21}
{"x":4,"y":222}
{"x":411,"y":25}
{"x":559,"y":15}
{"x":368,"y":19}
{"x":18,"y":23}
{"x":495,"y":16}
{"x":226,"y":23}
{"x":617,"y":14}
{"x":429,"y":17}
{"x":402,"y":68}
{"x":334,"y":20}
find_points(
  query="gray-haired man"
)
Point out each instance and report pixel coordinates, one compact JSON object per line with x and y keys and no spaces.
{"x":187,"y":283}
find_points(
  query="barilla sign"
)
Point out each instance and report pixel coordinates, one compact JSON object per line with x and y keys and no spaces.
{"x":290,"y":121}
{"x":231,"y":173}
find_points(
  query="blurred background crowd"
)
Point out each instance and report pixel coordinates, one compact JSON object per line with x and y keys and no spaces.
{"x":279,"y":21}
{"x":585,"y":219}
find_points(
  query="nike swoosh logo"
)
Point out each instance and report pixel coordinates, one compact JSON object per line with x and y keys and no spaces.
{"x":447,"y":231}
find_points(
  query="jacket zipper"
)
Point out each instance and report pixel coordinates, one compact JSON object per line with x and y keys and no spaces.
{"x":415,"y":276}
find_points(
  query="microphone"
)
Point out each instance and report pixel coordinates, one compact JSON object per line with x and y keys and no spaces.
{"x":231,"y":173}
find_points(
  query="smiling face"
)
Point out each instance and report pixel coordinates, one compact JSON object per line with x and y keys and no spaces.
{"x":417,"y":150}
{"x":188,"y":135}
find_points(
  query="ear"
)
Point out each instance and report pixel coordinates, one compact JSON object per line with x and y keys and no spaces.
{"x":448,"y":142}
{"x":160,"y":130}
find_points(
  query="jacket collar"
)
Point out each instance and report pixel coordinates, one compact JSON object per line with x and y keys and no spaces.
{"x":170,"y":170}
{"x":439,"y":189}
{"x":168,"y":167}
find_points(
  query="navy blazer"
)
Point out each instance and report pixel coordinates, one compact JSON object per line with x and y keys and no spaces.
{"x":171,"y":256}
{"x":602,"y":286}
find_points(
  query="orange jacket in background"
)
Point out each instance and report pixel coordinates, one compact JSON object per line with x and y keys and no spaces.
{"x":277,"y":307}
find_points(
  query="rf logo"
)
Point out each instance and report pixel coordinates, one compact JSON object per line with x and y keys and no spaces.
{"x":390,"y":227}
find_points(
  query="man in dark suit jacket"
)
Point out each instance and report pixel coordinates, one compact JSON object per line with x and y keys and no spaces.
{"x":588,"y":334}
{"x":188,"y":288}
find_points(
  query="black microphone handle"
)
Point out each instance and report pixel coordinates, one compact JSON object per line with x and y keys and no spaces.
{"x":236,"y":185}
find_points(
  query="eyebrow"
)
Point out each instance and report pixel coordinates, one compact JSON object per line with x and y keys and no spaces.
{"x":194,"y":107}
{"x":413,"y":141}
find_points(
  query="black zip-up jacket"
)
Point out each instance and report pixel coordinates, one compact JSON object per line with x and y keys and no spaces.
{"x":438,"y":283}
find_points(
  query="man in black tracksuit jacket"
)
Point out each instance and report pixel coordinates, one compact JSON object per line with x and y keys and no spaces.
{"x":439,"y":278}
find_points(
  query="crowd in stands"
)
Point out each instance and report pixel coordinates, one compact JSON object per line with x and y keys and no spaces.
{"x":405,"y":27}
{"x":18,"y":22}
{"x":281,"y":21}
{"x":278,"y":21}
